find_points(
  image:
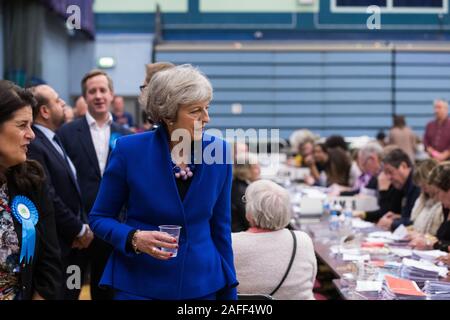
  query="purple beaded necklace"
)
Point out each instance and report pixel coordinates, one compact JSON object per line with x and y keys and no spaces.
{"x":185,"y":173}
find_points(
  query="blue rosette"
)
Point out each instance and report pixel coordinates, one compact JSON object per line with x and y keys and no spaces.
{"x":25,"y":212}
{"x":113,"y":139}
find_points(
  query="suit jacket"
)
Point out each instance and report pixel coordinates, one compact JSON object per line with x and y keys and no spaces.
{"x":140,"y":175}
{"x":63,"y":189}
{"x":43,"y":275}
{"x":410,"y":194}
{"x":77,"y":141}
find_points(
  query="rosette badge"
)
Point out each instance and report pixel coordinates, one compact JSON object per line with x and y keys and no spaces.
{"x":25,"y":212}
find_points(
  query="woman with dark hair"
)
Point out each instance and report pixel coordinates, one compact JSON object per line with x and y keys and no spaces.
{"x":29,"y":252}
{"x":440,"y":179}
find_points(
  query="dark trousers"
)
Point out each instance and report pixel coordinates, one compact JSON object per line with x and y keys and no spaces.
{"x":77,"y":258}
{"x":99,"y":252}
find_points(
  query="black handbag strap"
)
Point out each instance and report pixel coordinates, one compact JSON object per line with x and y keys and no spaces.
{"x":290,"y":263}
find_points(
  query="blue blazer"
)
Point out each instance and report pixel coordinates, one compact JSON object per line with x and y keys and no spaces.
{"x":139,"y":176}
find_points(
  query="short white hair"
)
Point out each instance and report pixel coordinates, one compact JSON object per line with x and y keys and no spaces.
{"x":372,"y":148}
{"x":444,"y":102}
{"x":268,"y":204}
{"x":170,"y":88}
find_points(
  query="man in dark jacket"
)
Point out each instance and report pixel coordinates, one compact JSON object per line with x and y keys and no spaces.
{"x":89,"y":141}
{"x":399,"y":170}
{"x":74,"y":233}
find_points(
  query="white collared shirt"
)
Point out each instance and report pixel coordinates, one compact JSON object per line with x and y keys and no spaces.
{"x":100,"y":138}
{"x":49,"y":134}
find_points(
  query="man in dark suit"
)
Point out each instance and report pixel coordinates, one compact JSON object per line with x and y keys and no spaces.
{"x":88,"y":142}
{"x":74,"y":233}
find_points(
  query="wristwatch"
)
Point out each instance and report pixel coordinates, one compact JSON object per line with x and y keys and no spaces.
{"x":134,"y":242}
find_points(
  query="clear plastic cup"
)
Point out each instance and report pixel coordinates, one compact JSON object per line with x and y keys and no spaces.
{"x":173,"y":231}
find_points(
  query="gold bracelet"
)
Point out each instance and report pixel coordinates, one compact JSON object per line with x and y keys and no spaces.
{"x":134,"y":242}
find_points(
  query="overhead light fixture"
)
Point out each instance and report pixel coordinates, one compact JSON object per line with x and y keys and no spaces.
{"x":106,"y":62}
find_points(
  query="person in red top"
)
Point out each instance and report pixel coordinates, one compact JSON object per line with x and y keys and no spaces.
{"x":437,"y":133}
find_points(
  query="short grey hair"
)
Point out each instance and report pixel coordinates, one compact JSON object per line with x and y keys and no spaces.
{"x":372,"y":148}
{"x":170,"y":88}
{"x":441,"y":100}
{"x":268,"y":204}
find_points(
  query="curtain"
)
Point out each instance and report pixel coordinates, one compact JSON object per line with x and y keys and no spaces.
{"x":23,"y":32}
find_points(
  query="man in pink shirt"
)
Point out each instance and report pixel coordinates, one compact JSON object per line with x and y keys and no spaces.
{"x":437,"y":133}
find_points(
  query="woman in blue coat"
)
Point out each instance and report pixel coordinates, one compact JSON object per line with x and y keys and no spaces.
{"x":157,"y":180}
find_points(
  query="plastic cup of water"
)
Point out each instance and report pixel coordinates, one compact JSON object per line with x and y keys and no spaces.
{"x":173,"y":231}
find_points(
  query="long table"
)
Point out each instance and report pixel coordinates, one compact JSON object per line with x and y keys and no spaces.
{"x":324,"y":240}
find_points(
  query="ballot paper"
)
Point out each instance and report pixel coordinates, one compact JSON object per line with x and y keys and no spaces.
{"x":402,"y":252}
{"x":400,"y":233}
{"x":437,"y":290}
{"x":429,"y":255}
{"x":426,"y":267}
{"x":367,"y":286}
{"x":389,"y":235}
{"x":354,"y":257}
{"x":361,"y":224}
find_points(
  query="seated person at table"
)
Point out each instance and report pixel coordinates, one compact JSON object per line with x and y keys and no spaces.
{"x":246,"y":170}
{"x":427,"y":211}
{"x":336,"y":166}
{"x":399,"y":171}
{"x":302,"y":144}
{"x":369,"y":161}
{"x":439,"y":178}
{"x":263,"y":253}
{"x":389,"y":198}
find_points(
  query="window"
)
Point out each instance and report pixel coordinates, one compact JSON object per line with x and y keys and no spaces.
{"x":391,"y":6}
{"x":360,"y":3}
{"x":419,"y":3}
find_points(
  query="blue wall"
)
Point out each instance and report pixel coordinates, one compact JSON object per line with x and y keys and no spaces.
{"x":348,"y":93}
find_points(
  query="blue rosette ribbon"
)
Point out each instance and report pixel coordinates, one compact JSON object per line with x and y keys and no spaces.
{"x":25,"y":212}
{"x":113,"y":139}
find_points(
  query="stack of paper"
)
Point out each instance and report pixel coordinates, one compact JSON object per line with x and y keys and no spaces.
{"x":401,"y":289}
{"x":437,"y":290}
{"x":429,"y":255}
{"x":421,"y":270}
{"x":361,"y":224}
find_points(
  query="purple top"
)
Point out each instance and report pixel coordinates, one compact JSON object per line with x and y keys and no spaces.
{"x":437,"y":135}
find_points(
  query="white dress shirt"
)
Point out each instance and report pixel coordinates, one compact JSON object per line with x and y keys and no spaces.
{"x":100,"y":138}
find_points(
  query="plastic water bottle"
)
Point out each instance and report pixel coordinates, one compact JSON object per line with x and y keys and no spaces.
{"x":348,"y":214}
{"x":336,"y":207}
{"x":326,"y":208}
{"x":334,"y":221}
